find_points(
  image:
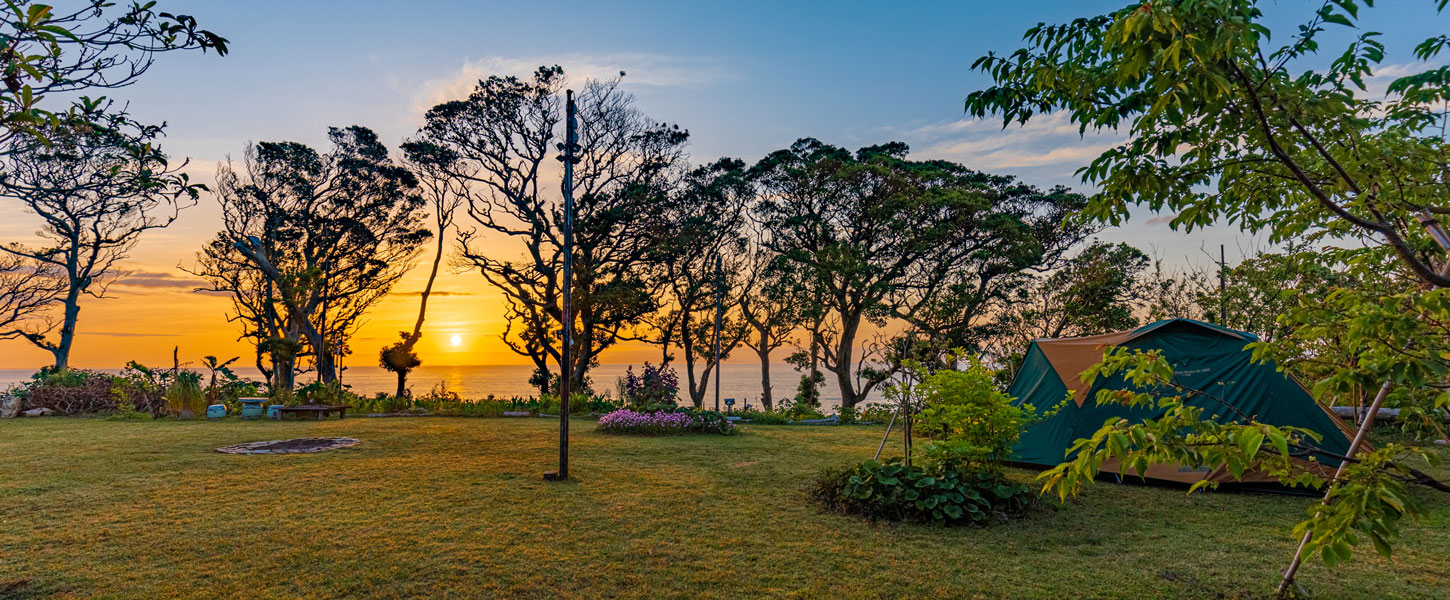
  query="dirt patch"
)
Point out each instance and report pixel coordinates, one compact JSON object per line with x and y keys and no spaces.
{"x":293,"y":446}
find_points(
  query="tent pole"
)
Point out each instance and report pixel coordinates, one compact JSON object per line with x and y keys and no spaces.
{"x":885,"y":437}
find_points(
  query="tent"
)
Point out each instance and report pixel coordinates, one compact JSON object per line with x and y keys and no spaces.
{"x":1205,"y":357}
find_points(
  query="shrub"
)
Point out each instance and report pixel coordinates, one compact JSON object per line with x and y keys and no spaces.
{"x":939,"y":494}
{"x":70,"y":392}
{"x":971,"y":422}
{"x":655,"y":388}
{"x":764,"y":417}
{"x":184,"y":397}
{"x":627,"y":421}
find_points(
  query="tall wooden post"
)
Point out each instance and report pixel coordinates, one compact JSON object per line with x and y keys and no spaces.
{"x":719,"y":319}
{"x":570,"y":158}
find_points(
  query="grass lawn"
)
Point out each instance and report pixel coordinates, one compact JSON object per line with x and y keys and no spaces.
{"x":455,"y":508}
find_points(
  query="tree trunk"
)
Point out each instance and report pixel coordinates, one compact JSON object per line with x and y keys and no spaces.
{"x":402,"y":381}
{"x":766,"y":400}
{"x":849,"y":396}
{"x":61,"y":350}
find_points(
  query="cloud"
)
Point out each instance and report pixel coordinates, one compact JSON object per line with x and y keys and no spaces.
{"x":434,"y":293}
{"x":157,"y":279}
{"x":1050,"y":140}
{"x":1162,"y":219}
{"x":131,"y":334}
{"x":650,"y":70}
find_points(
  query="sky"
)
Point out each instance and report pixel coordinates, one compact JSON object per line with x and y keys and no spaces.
{"x":745,"y":78}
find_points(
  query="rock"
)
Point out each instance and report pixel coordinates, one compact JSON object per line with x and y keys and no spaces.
{"x":38,"y":412}
{"x":1443,"y":442}
{"x":9,"y":406}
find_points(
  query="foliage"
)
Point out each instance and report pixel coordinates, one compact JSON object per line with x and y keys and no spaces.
{"x":655,"y":388}
{"x":698,"y":253}
{"x":69,"y":391}
{"x":937,"y":494}
{"x":931,"y":243}
{"x":95,"y":191}
{"x":762,"y":416}
{"x":500,"y":143}
{"x":1098,"y":290}
{"x":311,"y":241}
{"x":184,"y":397}
{"x":972,"y":424}
{"x":1185,"y":433}
{"x":661,"y":422}
{"x":87,"y":46}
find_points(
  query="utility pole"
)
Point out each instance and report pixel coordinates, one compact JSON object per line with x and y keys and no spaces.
{"x":570,"y":158}
{"x":719,"y":318}
{"x":1222,"y":288}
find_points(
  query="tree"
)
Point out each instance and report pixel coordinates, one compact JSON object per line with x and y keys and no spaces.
{"x":95,"y":191}
{"x":27,"y":290}
{"x":311,"y":242}
{"x":501,"y":140}
{"x":1222,"y":124}
{"x":699,"y":256}
{"x":1096,"y":291}
{"x":879,"y":237}
{"x":443,"y":195}
{"x":773,"y":306}
{"x":94,"y":45}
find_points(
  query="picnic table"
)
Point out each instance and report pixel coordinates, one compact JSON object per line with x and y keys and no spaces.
{"x":316,"y":411}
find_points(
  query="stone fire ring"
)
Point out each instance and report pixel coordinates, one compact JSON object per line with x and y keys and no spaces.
{"x":293,"y":446}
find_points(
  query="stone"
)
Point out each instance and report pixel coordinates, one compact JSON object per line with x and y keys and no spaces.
{"x":9,"y":406}
{"x":38,"y":412}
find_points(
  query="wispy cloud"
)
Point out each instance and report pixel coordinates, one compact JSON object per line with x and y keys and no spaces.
{"x":650,"y":70}
{"x":438,"y":293}
{"x":157,"y":279}
{"x":1049,"y":141}
{"x":131,"y":334}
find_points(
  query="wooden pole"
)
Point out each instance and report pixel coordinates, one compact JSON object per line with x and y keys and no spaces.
{"x":570,"y":147}
{"x":719,"y":319}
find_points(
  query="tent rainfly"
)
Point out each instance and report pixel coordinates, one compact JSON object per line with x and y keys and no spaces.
{"x":1205,"y":357}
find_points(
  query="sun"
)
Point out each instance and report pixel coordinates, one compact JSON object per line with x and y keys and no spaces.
{"x":456,"y":340}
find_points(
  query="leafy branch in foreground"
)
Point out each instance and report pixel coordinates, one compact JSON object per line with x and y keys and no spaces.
{"x":1369,"y":498}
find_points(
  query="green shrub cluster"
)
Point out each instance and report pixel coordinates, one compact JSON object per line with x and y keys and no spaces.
{"x":938,"y":493}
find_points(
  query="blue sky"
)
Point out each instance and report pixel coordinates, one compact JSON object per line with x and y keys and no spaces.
{"x":745,"y":78}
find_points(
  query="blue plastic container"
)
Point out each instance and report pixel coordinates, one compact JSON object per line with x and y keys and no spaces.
{"x":252,"y":408}
{"x":216,"y":411}
{"x":274,"y":411}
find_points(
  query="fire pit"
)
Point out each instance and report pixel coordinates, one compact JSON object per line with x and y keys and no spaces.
{"x":293,"y":446}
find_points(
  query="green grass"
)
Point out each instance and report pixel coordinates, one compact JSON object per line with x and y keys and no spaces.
{"x":455,"y":508}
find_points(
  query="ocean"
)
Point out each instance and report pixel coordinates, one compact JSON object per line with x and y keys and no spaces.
{"x":740,"y":381}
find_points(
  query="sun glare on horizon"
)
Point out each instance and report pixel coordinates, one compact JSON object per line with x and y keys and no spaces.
{"x":456,"y":340}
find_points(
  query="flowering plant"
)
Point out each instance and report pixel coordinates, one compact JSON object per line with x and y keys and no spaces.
{"x":653,"y":389}
{"x":665,"y":422}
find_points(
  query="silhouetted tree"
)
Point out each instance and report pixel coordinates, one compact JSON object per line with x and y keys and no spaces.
{"x":444,"y":195}
{"x":879,"y":237}
{"x":310,"y":242}
{"x":503,"y":137}
{"x":699,"y":227}
{"x":95,"y":190}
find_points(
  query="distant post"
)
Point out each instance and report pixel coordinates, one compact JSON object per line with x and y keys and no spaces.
{"x":1222,"y":288}
{"x":719,"y":318}
{"x":570,"y":148}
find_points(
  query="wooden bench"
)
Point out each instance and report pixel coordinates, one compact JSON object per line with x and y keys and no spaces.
{"x":317,"y":411}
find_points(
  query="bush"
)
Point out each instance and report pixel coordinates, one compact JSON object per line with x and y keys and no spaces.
{"x":939,"y":494}
{"x":70,"y":392}
{"x":971,"y":423}
{"x":627,"y":421}
{"x":763,"y":417}
{"x":655,"y":388}
{"x":184,"y":397}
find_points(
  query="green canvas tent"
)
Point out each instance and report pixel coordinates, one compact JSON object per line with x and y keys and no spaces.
{"x":1205,"y":357}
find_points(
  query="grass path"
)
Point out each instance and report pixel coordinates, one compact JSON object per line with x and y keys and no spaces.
{"x":455,"y":508}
